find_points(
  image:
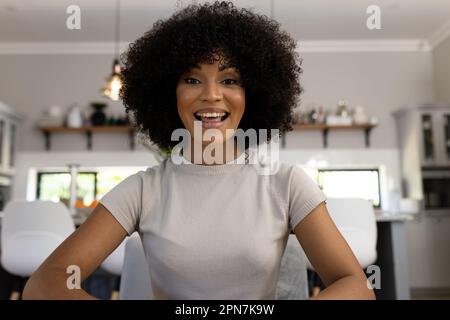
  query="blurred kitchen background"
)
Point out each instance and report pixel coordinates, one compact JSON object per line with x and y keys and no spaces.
{"x":373,"y":121}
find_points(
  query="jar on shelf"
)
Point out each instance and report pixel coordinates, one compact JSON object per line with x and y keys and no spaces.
{"x":98,"y":117}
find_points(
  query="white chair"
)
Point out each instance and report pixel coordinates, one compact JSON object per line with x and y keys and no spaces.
{"x":355,"y":219}
{"x":31,"y":231}
{"x":135,"y":283}
{"x":292,"y":280}
{"x":113,"y":264}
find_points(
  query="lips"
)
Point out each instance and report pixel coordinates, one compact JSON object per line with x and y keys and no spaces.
{"x":211,"y":117}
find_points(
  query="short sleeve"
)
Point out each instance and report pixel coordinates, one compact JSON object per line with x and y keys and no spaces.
{"x":124,"y":202}
{"x":304,"y":196}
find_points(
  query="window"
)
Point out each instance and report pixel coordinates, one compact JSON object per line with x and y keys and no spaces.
{"x":108,"y":178}
{"x":358,"y":183}
{"x":346,"y":183}
{"x":91,"y":185}
{"x":55,"y":186}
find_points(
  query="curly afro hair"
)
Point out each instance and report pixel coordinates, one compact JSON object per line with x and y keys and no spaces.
{"x":263,"y":54}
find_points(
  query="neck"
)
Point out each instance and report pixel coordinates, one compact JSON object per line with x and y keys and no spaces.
{"x":211,"y":153}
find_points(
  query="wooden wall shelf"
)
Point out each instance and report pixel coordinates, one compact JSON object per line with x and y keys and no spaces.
{"x":325,"y":128}
{"x":48,"y":131}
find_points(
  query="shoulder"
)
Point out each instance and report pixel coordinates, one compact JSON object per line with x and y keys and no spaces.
{"x":150,"y":172}
{"x":139,"y":180}
{"x":280,"y":175}
{"x":295,"y":173}
{"x":293,"y":181}
{"x":288,"y":173}
{"x":286,"y":170}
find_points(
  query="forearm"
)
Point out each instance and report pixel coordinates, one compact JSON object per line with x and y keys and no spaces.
{"x":52,"y":285}
{"x":347,"y":288}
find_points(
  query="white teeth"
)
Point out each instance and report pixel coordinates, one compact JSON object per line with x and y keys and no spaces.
{"x":210,"y":114}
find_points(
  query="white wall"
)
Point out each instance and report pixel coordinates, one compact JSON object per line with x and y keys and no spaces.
{"x":381,"y":82}
{"x":35,"y":82}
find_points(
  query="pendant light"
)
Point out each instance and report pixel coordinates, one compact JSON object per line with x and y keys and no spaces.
{"x":113,"y":83}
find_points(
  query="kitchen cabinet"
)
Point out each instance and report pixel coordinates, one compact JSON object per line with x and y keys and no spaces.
{"x":428,"y":128}
{"x":436,"y":139}
{"x":424,"y":144}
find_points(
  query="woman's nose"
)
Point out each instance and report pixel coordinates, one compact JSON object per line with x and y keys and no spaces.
{"x":211,"y":92}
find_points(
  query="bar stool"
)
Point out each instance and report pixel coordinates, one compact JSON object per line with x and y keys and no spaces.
{"x":113,"y":264}
{"x":31,"y":231}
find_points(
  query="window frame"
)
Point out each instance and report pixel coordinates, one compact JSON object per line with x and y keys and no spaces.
{"x":377,"y":170}
{"x":41,"y":173}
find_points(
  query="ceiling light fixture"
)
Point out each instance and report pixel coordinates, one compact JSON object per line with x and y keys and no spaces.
{"x":113,"y":83}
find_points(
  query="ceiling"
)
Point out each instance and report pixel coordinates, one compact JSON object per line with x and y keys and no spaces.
{"x":45,"y":20}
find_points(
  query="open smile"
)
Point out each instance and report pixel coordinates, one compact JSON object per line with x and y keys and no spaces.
{"x":211,"y":119}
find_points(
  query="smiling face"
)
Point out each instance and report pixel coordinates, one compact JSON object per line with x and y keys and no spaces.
{"x":211,"y":93}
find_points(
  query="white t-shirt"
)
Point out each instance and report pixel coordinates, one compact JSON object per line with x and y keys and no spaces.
{"x":213,"y":232}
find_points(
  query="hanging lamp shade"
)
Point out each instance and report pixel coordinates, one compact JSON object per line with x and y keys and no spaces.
{"x":113,"y":83}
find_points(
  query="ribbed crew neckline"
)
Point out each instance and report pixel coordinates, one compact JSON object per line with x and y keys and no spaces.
{"x":199,"y":169}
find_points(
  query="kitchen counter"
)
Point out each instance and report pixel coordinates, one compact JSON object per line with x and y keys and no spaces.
{"x":391,"y":254}
{"x":389,"y":216}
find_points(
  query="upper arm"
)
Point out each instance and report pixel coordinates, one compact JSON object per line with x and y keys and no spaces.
{"x":89,"y":245}
{"x":325,"y":247}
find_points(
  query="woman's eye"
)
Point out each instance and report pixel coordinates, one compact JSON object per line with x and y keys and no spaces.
{"x":230,"y":81}
{"x":191,"y":80}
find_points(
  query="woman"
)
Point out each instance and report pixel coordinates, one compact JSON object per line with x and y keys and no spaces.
{"x":213,"y":225}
